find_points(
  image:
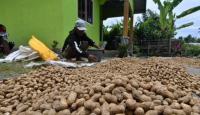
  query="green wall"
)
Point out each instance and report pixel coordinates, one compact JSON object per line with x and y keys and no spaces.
{"x":47,"y":20}
{"x":41,"y":18}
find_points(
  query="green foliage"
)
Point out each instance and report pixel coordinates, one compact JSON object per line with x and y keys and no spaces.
{"x":184,"y":47}
{"x":146,"y":28}
{"x":167,"y":10}
{"x":138,"y":33}
{"x":192,"y":50}
{"x":183,"y":42}
{"x":16,"y":68}
{"x":155,"y":1}
{"x":115,"y":31}
{"x":130,"y":54}
{"x":147,"y":22}
{"x":198,"y":40}
{"x":162,"y":19}
{"x":123,"y":50}
{"x":140,"y":54}
{"x":106,"y":35}
{"x":175,"y":3}
{"x":109,"y":36}
{"x":190,"y":39}
{"x":170,"y":19}
{"x":136,"y":49}
{"x":55,"y":43}
{"x":180,"y":37}
{"x":151,"y":54}
{"x":105,"y":30}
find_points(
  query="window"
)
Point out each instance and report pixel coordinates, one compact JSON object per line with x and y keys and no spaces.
{"x":85,"y":10}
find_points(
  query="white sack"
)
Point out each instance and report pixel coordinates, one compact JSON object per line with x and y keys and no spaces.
{"x":26,"y":54}
{"x":10,"y":57}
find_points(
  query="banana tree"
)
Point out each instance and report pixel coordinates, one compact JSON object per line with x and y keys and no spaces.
{"x":185,"y":13}
{"x":173,"y":19}
{"x":167,"y":10}
{"x":163,"y":15}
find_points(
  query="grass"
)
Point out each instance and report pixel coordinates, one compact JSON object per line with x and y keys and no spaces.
{"x":15,"y":69}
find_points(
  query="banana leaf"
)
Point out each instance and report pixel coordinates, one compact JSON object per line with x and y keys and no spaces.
{"x":170,"y":19}
{"x":155,"y":1}
{"x":160,"y":4}
{"x":162,"y":18}
{"x":167,"y":5}
{"x":185,"y":25}
{"x":147,"y":22}
{"x":187,"y":12}
{"x":175,"y":3}
{"x":153,"y":18}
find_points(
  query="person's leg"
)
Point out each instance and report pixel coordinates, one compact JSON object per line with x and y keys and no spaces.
{"x":68,"y":53}
{"x":84,"y":46}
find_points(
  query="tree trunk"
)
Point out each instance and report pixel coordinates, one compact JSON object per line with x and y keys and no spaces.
{"x":148,"y":47}
{"x":158,"y":46}
{"x":170,"y":45}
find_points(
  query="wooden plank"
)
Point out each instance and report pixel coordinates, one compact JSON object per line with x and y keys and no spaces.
{"x":126,"y":12}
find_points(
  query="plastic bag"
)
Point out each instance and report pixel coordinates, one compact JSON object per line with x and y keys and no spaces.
{"x":44,"y":52}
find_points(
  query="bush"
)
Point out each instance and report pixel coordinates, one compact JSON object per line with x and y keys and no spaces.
{"x":109,"y":36}
{"x":140,"y":54}
{"x":135,"y":49}
{"x":54,"y":45}
{"x":123,"y":50}
{"x":184,"y":47}
{"x":192,"y":50}
{"x":151,"y":54}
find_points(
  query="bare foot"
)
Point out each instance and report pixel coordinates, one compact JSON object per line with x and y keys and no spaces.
{"x":69,"y":60}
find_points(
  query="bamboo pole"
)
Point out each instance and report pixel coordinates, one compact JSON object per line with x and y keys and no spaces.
{"x":126,"y":12}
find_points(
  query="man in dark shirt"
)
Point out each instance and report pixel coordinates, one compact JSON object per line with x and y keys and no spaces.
{"x":77,"y":43}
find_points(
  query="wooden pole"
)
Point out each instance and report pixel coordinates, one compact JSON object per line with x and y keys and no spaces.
{"x":131,"y":35}
{"x":126,"y":12}
{"x":131,"y":32}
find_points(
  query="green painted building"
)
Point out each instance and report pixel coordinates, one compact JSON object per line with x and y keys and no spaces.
{"x":50,"y":20}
